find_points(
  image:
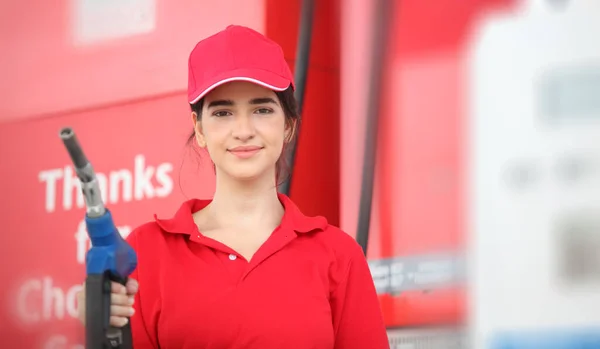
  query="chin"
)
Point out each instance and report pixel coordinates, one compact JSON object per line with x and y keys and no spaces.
{"x":246,"y":174}
{"x":245,"y":177}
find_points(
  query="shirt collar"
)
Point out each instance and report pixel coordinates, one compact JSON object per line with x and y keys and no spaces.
{"x":183,"y":223}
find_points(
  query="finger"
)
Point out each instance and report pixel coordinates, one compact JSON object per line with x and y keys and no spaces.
{"x":81,"y":305}
{"x":121,"y":311}
{"x":80,"y":301}
{"x":116,"y":287}
{"x":117,"y":321}
{"x":132,"y":286}
{"x":121,"y":299}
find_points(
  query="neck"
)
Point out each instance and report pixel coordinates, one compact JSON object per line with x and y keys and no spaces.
{"x":247,"y":203}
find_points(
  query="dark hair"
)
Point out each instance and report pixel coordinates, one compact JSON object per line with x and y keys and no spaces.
{"x":292,"y":120}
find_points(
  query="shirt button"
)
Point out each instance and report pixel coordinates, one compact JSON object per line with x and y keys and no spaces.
{"x":232,"y":257}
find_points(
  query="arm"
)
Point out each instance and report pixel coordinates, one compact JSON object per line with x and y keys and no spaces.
{"x":357,"y":318}
{"x":141,"y":329}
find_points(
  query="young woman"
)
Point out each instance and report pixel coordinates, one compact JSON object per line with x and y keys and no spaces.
{"x":246,"y":269}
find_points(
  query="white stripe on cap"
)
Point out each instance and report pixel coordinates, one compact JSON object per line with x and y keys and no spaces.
{"x":238,"y":78}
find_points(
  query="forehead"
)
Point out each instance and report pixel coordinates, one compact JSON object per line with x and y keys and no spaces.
{"x":239,"y":90}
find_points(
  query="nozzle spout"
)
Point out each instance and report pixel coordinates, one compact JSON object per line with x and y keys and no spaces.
{"x":89,"y":183}
{"x":72,"y":144}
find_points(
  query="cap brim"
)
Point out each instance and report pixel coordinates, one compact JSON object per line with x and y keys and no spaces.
{"x":260,"y":77}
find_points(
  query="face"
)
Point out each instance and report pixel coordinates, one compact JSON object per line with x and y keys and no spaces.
{"x":243,"y":128}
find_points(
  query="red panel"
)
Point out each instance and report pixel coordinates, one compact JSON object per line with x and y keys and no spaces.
{"x":423,"y":29}
{"x":418,"y":202}
{"x":425,"y":190}
{"x":56,"y":74}
{"x":147,"y":147}
{"x":422,"y":152}
{"x":315,"y":186}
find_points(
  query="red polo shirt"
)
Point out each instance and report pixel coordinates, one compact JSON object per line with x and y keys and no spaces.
{"x":307,"y":287}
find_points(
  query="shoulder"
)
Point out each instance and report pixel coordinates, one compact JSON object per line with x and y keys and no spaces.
{"x":342,"y":256}
{"x":144,"y":233}
{"x":342,"y":244}
{"x":161,"y":230}
{"x":343,"y":241}
{"x":144,"y":229}
{"x":320,"y":232}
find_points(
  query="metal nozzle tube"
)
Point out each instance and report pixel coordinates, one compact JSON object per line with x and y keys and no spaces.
{"x":72,"y":144}
{"x":85,"y":173}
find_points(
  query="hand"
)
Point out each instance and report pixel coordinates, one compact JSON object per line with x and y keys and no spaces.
{"x":121,"y":302}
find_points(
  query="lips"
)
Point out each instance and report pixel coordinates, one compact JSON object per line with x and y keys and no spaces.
{"x":245,"y":148}
{"x":245,"y":151}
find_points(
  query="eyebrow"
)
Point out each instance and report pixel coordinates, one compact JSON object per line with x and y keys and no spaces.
{"x":230,"y":103}
{"x":221,"y":103}
{"x":265,"y":100}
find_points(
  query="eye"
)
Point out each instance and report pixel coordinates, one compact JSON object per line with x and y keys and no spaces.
{"x":221,"y":113}
{"x":264,"y":111}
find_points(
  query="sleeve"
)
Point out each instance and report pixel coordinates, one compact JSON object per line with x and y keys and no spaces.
{"x":141,"y":329}
{"x":357,"y":317}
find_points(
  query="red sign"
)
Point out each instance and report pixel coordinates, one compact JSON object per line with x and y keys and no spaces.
{"x":144,"y":167}
{"x":75,"y":54}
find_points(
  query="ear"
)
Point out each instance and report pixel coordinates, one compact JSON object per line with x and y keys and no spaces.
{"x":290,"y":131}
{"x":198,"y":130}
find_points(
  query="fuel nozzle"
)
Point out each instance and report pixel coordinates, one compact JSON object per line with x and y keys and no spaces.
{"x":85,"y":172}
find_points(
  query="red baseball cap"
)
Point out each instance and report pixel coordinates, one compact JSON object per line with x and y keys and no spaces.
{"x":236,"y":54}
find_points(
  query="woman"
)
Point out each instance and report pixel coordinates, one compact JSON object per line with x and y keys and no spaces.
{"x":246,"y":269}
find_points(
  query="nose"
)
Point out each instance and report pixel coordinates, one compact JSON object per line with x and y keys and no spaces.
{"x":243,"y":129}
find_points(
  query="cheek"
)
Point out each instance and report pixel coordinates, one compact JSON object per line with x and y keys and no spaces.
{"x":214,"y":145}
{"x":214,"y":134}
{"x":274,"y":132}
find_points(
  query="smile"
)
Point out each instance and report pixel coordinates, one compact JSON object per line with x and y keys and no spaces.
{"x":245,"y":152}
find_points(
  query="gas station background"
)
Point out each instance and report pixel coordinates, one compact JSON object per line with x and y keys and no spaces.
{"x":115,"y":71}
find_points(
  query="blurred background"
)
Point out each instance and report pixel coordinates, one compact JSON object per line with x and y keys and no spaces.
{"x":458,"y":141}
